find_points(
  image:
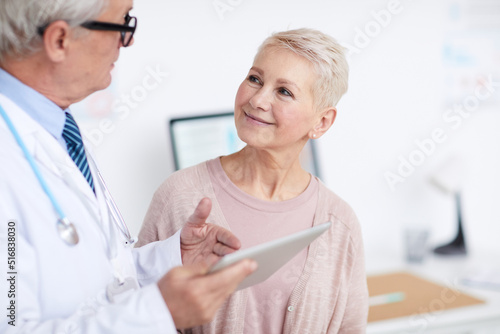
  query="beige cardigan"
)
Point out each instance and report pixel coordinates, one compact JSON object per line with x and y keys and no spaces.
{"x":331,"y":295}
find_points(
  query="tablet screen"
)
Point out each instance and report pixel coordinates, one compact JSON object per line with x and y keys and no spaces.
{"x":271,"y":255}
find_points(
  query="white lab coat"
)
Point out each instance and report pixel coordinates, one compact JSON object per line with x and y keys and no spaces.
{"x":61,"y":288}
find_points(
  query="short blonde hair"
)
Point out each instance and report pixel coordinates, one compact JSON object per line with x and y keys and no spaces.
{"x":324,"y":52}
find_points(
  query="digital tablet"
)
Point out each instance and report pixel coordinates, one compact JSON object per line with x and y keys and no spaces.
{"x":272,"y":255}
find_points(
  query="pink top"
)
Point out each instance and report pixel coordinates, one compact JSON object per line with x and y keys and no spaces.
{"x":255,"y":221}
{"x":331,"y":294}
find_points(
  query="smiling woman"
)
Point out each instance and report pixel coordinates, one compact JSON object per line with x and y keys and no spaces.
{"x":262,"y":193}
{"x":274,"y":107}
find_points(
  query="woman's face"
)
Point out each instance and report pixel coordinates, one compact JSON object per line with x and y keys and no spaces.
{"x":274,"y":106}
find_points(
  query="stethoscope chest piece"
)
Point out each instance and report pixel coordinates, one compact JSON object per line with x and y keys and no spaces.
{"x":67,"y":231}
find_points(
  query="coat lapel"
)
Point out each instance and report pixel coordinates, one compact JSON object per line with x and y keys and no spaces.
{"x":46,"y":150}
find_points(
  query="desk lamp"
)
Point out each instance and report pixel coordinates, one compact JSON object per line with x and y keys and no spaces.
{"x":449,"y":180}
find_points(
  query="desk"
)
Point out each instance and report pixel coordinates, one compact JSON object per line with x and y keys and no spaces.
{"x":478,"y":319}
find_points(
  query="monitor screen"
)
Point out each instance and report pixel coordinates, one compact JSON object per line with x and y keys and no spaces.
{"x":199,"y":138}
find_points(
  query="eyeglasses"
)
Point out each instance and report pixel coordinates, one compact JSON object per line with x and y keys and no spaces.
{"x":126,"y":30}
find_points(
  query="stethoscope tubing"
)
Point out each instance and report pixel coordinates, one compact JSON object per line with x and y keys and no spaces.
{"x":67,"y":230}
{"x":113,"y":208}
{"x":110,"y":203}
{"x":31,"y":161}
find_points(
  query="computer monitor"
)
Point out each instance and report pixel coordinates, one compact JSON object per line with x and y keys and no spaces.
{"x":196,"y":139}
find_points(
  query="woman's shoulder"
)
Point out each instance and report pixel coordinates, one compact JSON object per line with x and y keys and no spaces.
{"x":185,"y":179}
{"x":329,"y":196}
{"x":179,"y":194}
{"x":333,"y":205}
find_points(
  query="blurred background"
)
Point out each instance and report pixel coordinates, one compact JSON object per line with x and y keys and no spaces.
{"x":423,"y":103}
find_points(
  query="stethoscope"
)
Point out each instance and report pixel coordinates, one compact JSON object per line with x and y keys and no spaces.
{"x":67,"y":230}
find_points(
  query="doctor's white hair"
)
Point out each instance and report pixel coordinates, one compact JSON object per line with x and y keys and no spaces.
{"x":20,"y":20}
{"x":324,"y":52}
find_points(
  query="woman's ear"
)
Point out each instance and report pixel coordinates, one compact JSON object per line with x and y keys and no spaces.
{"x":56,"y":40}
{"x":327,"y":117}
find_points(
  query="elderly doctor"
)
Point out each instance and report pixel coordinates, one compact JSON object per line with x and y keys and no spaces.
{"x":66,"y":258}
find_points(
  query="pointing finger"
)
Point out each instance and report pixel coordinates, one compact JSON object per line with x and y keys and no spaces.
{"x":201,"y":212}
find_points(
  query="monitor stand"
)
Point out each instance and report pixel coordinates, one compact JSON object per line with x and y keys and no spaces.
{"x":457,"y":246}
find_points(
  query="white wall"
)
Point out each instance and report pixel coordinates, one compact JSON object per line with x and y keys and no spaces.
{"x":398,"y":94}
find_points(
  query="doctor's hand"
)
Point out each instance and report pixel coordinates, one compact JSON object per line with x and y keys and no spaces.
{"x":205,"y":243}
{"x":193,"y":297}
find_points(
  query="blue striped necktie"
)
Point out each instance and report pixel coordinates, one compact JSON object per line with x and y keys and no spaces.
{"x":74,"y":143}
